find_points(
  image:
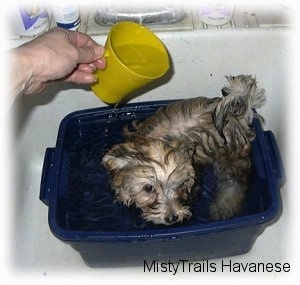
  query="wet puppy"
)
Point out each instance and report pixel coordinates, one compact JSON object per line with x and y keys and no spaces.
{"x":156,"y":167}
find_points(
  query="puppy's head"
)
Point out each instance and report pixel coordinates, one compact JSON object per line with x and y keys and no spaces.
{"x":153,"y":176}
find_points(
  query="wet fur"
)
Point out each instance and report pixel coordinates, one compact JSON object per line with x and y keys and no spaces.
{"x":155,"y":169}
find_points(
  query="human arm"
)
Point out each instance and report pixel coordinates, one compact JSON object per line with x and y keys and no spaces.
{"x":57,"y":54}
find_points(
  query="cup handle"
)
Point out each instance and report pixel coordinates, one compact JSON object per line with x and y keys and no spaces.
{"x":106,"y":53}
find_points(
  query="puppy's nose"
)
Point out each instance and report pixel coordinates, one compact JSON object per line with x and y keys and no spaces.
{"x":171,"y":219}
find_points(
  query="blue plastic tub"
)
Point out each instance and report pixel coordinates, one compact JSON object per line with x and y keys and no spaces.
{"x":82,"y":211}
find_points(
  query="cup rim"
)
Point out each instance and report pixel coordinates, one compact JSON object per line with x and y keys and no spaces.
{"x":159,"y":41}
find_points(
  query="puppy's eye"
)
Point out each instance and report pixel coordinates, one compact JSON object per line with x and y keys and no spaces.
{"x":182,"y":186}
{"x":148,"y":188}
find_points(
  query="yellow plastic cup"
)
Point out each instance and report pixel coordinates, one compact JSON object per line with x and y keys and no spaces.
{"x":134,"y":56}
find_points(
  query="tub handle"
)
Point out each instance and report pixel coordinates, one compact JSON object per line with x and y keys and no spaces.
{"x":277,"y":164}
{"x":47,"y":176}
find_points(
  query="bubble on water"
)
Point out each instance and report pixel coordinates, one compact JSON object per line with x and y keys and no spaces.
{"x":106,"y":132}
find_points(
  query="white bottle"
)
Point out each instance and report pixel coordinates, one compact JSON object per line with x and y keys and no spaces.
{"x":29,"y":20}
{"x":216,"y":12}
{"x":67,"y":16}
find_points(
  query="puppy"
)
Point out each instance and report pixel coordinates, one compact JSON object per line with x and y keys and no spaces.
{"x":156,"y":167}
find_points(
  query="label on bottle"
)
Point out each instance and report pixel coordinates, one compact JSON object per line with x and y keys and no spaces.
{"x":29,"y":20}
{"x":216,"y":13}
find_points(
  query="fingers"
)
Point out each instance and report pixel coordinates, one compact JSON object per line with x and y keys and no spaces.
{"x":92,"y":67}
{"x":88,"y":68}
{"x":89,"y":50}
{"x":84,"y":72}
{"x":82,"y":77}
{"x":86,"y":54}
{"x":100,"y":63}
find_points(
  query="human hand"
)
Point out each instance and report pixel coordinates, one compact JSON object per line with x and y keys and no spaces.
{"x":55,"y":55}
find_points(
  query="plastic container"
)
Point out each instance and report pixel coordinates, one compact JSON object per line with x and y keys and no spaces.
{"x":82,"y":212}
{"x":132,"y":52}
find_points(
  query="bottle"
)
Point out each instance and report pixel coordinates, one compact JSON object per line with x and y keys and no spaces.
{"x":29,"y":20}
{"x":216,"y":12}
{"x":67,"y":16}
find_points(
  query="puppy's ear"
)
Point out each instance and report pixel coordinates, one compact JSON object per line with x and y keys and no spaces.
{"x":116,"y":158}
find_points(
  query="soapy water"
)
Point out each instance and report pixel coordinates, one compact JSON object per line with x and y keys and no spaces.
{"x":143,"y":59}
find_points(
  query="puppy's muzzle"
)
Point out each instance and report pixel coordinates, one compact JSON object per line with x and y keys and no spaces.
{"x":171,"y":219}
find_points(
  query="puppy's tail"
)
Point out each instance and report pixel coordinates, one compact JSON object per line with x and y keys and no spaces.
{"x":235,"y":110}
